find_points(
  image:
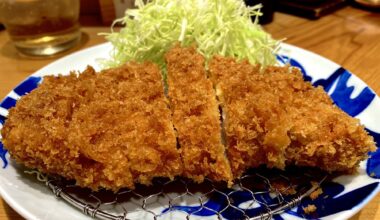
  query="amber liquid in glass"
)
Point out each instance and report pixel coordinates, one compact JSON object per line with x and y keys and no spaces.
{"x":41,"y":27}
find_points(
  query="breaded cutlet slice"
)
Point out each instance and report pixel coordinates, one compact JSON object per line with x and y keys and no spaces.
{"x":105,"y":130}
{"x":275,"y":118}
{"x":36,"y":129}
{"x":125,"y":124}
{"x":196,"y":116}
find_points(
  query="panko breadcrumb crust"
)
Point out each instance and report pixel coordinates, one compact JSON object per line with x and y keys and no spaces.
{"x":309,"y":209}
{"x":116,"y":128}
{"x":196,"y":116}
{"x":105,"y":130}
{"x":274,"y":117}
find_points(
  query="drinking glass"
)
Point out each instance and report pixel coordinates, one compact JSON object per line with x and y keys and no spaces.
{"x":41,"y":27}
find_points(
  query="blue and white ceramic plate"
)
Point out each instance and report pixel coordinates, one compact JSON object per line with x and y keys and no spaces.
{"x":342,"y":198}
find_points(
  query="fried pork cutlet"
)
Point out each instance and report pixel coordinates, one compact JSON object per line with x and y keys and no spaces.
{"x":276,"y":118}
{"x":196,"y":116}
{"x":110,"y":129}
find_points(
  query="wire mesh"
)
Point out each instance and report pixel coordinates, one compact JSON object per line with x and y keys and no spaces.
{"x":259,"y":194}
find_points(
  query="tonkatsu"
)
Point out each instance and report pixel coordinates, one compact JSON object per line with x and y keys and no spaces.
{"x":105,"y":130}
{"x":274,"y":118}
{"x":196,"y":116}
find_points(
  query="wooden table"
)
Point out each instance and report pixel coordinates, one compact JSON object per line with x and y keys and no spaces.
{"x":350,"y":37}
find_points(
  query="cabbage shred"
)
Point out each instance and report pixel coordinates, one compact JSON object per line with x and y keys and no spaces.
{"x":221,"y":27}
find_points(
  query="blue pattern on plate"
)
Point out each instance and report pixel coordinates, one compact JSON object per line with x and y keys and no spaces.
{"x":2,"y":119}
{"x":327,"y":203}
{"x":341,"y":94}
{"x":329,"y":82}
{"x":3,"y":154}
{"x":25,"y":87}
{"x":373,"y":162}
{"x":28,"y":85}
{"x":8,"y":103}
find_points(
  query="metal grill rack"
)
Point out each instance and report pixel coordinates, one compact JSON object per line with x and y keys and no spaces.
{"x":259,"y":194}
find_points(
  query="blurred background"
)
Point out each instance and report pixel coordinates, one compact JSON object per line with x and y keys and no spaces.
{"x":105,"y":11}
{"x":49,"y":27}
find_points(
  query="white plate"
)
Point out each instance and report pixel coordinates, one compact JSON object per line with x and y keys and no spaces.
{"x":346,"y":194}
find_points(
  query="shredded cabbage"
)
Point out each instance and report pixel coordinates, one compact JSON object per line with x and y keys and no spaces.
{"x":221,"y":27}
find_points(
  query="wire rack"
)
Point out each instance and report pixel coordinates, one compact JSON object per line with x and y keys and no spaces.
{"x":259,"y":194}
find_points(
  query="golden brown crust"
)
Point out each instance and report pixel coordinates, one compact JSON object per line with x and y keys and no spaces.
{"x":275,"y":118}
{"x":309,"y":209}
{"x":113,"y":129}
{"x":196,"y":116}
{"x":104,"y":130}
{"x":314,"y":195}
